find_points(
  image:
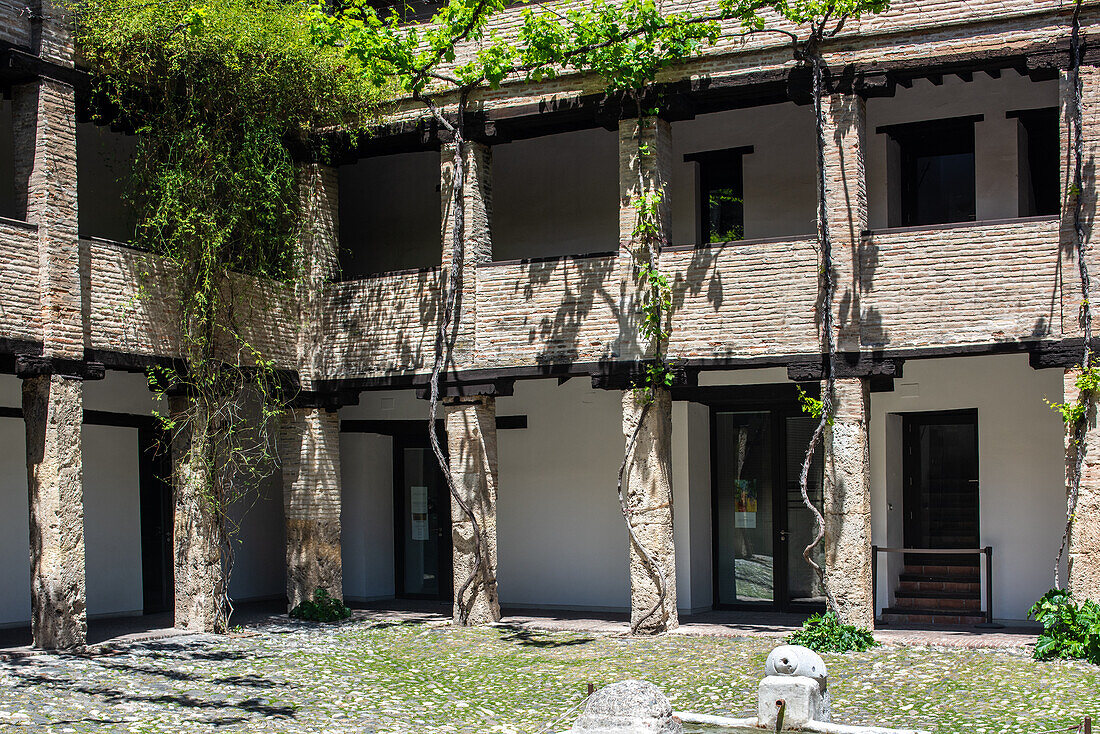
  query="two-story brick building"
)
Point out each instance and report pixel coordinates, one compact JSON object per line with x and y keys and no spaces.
{"x":948,"y":167}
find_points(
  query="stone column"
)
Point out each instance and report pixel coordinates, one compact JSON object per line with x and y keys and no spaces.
{"x":647,"y":481}
{"x":846,"y":205}
{"x":319,"y":244}
{"x":647,"y":488}
{"x":309,"y":449}
{"x":848,"y":502}
{"x":1084,"y":536}
{"x":477,"y":240}
{"x":472,"y":449}
{"x":44,"y":131}
{"x":197,"y":566}
{"x":1070,"y":279}
{"x":53,"y":412}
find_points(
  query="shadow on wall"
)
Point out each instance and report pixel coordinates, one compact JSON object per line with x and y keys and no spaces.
{"x":381,"y":325}
{"x":558,"y":337}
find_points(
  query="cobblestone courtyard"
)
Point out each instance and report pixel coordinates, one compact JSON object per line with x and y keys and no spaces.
{"x":418,"y":677}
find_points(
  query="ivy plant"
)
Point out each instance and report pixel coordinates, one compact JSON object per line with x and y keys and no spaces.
{"x":216,"y":91}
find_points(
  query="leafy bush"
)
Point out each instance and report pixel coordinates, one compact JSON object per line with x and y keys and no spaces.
{"x":826,"y":633}
{"x":321,"y":608}
{"x":1069,"y":630}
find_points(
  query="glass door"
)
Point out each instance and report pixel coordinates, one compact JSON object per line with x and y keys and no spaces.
{"x":743,"y":508}
{"x":803,"y":583}
{"x":761,"y":524}
{"x":423,"y":514}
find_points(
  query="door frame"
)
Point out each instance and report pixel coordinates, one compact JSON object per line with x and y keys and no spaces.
{"x":780,"y":401}
{"x":915,"y":419}
{"x":417,"y":439}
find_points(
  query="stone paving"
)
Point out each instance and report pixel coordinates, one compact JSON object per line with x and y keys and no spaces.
{"x":414,"y":673}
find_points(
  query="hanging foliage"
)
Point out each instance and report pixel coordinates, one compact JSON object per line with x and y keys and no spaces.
{"x":215,"y":90}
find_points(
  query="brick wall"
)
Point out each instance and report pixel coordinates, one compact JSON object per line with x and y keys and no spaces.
{"x":19,"y":313}
{"x":15,"y":26}
{"x":381,"y":325}
{"x":552,"y":311}
{"x":960,"y":285}
{"x":744,"y":299}
{"x":131,"y":307}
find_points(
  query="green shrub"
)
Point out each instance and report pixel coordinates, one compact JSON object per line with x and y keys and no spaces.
{"x":321,"y":608}
{"x":826,"y":633}
{"x":1069,"y":630}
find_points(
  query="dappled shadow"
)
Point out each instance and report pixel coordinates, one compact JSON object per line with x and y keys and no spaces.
{"x":40,"y":674}
{"x":536,"y":638}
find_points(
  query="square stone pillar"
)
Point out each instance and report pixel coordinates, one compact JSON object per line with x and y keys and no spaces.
{"x":1070,"y":280}
{"x":319,"y":245}
{"x":846,"y":208}
{"x":472,"y":449}
{"x":44,"y":126}
{"x":477,"y":239}
{"x":639,"y":174}
{"x":53,"y":409}
{"x":309,"y":452}
{"x":647,"y":489}
{"x":1084,"y":536}
{"x":197,"y":564}
{"x":645,"y":160}
{"x":848,"y":502}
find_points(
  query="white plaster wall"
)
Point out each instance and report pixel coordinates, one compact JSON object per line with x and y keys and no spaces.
{"x":121,"y":392}
{"x":366,"y":519}
{"x":1020,"y":464}
{"x":561,"y":541}
{"x":15,"y":543}
{"x":995,"y":138}
{"x":556,"y":195}
{"x":392,"y":405}
{"x":390,"y":213}
{"x":682,"y":503}
{"x":778,"y":174}
{"x":112,"y":520}
{"x":7,"y":169}
{"x":104,"y":160}
{"x":260,"y":564}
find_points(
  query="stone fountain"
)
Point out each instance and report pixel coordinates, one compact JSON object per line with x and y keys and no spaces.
{"x":793,"y":696}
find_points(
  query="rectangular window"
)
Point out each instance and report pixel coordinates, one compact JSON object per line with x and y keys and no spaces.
{"x":1039,"y":143}
{"x":721,"y":194}
{"x":932,"y":171}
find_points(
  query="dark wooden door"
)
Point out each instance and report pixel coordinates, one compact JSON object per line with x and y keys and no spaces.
{"x":155,"y":489}
{"x":941,"y":484}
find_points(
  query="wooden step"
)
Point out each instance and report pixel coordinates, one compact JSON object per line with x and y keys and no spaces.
{"x":943,"y":569}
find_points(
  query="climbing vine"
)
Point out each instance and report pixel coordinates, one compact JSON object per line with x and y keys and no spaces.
{"x":626,"y":44}
{"x":216,"y":92}
{"x":1075,"y":415}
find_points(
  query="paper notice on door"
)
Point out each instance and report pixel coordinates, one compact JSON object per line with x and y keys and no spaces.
{"x":418,"y":500}
{"x":418,"y":509}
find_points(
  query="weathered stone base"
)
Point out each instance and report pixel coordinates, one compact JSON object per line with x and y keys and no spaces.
{"x":848,"y":504}
{"x":1084,"y":536}
{"x":53,"y":412}
{"x":199,"y":577}
{"x":472,"y":449}
{"x":309,"y":449}
{"x":647,"y":486}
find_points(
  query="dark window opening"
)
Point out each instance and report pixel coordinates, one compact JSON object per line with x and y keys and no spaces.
{"x":721,"y":194}
{"x":932,"y":171}
{"x":1039,"y":143}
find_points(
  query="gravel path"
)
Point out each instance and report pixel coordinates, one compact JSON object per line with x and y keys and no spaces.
{"x":393,"y":676}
